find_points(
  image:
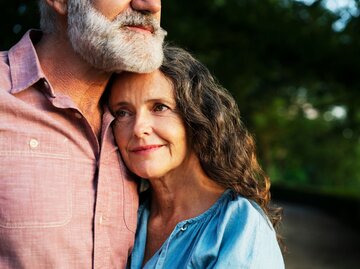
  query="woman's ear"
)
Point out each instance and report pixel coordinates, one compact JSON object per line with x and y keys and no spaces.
{"x":60,"y":6}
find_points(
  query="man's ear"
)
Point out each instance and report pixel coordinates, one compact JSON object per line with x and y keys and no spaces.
{"x":60,"y":6}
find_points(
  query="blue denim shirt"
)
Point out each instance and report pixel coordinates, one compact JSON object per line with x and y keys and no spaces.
{"x":233,"y":233}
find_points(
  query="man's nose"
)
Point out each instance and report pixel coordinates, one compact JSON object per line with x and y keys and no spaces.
{"x":147,"y":6}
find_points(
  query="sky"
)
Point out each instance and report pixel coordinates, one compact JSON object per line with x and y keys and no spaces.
{"x":333,"y":5}
{"x":345,"y":8}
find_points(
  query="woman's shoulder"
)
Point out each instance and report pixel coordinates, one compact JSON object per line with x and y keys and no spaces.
{"x":246,"y":235}
{"x":238,"y":210}
{"x":243,"y":220}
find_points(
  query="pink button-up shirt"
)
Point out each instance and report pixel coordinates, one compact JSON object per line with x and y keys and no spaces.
{"x":65,"y":200}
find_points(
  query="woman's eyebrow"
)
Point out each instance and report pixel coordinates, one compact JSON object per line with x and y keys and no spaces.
{"x":160,"y":99}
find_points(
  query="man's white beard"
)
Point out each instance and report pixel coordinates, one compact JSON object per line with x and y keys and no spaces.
{"x":110,"y":47}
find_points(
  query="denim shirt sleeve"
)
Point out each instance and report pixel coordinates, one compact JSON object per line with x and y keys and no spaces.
{"x":257,"y":248}
{"x":244,"y":238}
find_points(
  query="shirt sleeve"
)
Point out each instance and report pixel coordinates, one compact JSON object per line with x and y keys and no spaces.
{"x":248,"y":240}
{"x":267,"y":253}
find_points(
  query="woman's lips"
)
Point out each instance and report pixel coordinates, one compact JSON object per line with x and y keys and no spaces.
{"x":145,"y":149}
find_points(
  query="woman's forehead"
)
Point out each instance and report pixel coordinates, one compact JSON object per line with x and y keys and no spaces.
{"x":150,"y":85}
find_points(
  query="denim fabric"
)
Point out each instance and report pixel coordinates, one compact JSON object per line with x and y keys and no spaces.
{"x":233,"y":233}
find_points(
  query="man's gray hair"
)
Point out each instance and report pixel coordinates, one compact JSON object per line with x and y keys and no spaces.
{"x":47,"y":18}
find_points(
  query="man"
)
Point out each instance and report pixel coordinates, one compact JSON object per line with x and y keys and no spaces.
{"x":65,"y":200}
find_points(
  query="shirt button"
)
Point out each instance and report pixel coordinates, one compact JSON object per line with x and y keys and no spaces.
{"x":46,"y":84}
{"x":184,"y":227}
{"x":33,"y":143}
{"x":78,"y":115}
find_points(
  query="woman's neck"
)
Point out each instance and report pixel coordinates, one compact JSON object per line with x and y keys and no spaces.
{"x":178,"y":196}
{"x":183,"y":193}
{"x":177,"y":202}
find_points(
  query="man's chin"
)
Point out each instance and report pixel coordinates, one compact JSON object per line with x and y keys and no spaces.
{"x":141,"y":63}
{"x":146,"y":68}
{"x":122,"y":55}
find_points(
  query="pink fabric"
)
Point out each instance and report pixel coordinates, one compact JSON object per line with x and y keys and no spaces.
{"x":65,"y":202}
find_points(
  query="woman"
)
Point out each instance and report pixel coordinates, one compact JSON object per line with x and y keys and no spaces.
{"x":208,"y":201}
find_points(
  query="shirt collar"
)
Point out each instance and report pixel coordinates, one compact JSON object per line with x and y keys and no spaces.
{"x":25,"y":68}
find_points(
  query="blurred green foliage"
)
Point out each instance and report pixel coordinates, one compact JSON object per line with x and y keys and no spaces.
{"x":294,"y":77}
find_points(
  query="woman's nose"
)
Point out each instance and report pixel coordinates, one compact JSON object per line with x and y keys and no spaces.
{"x":142,"y":126}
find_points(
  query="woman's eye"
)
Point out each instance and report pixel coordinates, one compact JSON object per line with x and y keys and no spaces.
{"x":160,"y":107}
{"x":122,"y":113}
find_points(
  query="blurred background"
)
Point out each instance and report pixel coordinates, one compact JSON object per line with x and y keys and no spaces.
{"x":293,"y":67}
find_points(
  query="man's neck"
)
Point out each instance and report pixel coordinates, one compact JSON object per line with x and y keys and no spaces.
{"x":70,"y":75}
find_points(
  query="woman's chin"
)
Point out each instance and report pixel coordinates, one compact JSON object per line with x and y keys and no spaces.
{"x":148,"y":174}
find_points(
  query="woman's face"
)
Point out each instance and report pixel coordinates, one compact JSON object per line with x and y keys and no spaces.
{"x":149,"y":132}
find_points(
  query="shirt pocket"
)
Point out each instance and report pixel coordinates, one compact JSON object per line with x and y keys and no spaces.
{"x":35,"y":191}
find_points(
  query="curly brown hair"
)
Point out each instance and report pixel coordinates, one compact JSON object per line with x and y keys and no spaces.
{"x":224,"y":146}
